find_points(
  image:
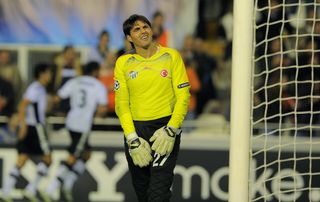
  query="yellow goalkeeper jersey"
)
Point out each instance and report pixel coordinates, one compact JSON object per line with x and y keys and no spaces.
{"x":151,"y":88}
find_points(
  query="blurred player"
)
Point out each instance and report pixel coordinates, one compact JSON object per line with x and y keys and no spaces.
{"x":88,"y":97}
{"x":32,"y":136}
{"x":152,"y":96}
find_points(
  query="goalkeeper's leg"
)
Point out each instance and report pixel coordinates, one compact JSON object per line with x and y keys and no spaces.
{"x":162,"y":175}
{"x":140,"y":177}
{"x":152,"y":183}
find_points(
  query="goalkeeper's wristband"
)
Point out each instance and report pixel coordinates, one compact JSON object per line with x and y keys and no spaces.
{"x":173,"y":130}
{"x":132,"y":136}
{"x":135,"y":143}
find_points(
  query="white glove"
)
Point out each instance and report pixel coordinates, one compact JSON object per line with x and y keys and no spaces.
{"x":139,"y":150}
{"x":164,"y":139}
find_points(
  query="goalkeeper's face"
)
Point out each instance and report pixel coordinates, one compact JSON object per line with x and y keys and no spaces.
{"x":141,"y":34}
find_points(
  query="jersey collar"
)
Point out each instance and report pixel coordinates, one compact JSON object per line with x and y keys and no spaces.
{"x":156,"y":55}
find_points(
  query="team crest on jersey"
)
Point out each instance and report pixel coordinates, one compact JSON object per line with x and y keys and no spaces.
{"x":116,"y":85}
{"x":164,"y":73}
{"x":133,"y":74}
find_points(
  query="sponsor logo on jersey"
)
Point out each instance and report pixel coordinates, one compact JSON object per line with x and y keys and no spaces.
{"x":147,"y":68}
{"x":164,"y":73}
{"x":133,"y":74}
{"x":116,"y":84}
{"x":183,"y":85}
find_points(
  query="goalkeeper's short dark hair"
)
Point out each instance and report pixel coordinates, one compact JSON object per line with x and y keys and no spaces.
{"x":129,"y":23}
{"x":91,"y":67}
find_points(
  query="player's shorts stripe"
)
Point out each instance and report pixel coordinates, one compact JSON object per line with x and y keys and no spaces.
{"x":42,"y":139}
{"x":36,"y":112}
{"x":81,"y":144}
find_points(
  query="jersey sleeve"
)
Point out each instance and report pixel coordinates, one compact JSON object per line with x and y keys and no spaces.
{"x":66,"y":89}
{"x":122,"y":103}
{"x":181,"y":89}
{"x":31,"y":93}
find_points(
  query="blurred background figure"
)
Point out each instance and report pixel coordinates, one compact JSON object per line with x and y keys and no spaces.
{"x":9,"y":72}
{"x":205,"y":66}
{"x":160,"y":34}
{"x":187,"y":50}
{"x":125,"y":48}
{"x":7,"y":98}
{"x":87,"y":99}
{"x":106,"y":77}
{"x":67,"y":66}
{"x":195,"y":86}
{"x":32,"y":134}
{"x":100,"y":52}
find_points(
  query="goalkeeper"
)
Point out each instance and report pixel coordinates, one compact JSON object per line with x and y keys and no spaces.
{"x":152,"y":96}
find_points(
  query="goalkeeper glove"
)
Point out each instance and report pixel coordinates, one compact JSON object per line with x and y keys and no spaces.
{"x":164,"y":139}
{"x":139,"y":150}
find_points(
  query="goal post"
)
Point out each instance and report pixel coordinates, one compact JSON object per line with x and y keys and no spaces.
{"x":240,"y":100}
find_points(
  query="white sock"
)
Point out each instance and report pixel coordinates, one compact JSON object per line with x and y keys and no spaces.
{"x":63,"y":170}
{"x":42,"y":170}
{"x":77,"y":169}
{"x":10,"y":181}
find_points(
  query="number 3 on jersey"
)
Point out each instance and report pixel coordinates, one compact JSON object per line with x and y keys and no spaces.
{"x":82,"y":98}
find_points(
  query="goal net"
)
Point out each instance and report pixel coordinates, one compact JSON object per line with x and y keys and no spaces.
{"x":285,"y":114}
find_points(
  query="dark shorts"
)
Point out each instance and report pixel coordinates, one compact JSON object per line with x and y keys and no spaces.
{"x":36,"y":141}
{"x":79,"y":143}
{"x":153,"y":183}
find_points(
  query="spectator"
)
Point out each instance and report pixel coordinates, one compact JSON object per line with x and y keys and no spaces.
{"x":160,"y":34}
{"x":10,"y":72}
{"x":275,"y":18}
{"x":126,"y":48}
{"x":194,"y":52}
{"x":227,"y":26}
{"x":67,"y":67}
{"x":206,"y":64}
{"x":106,"y":77}
{"x":7,"y":98}
{"x":188,"y":48}
{"x":195,"y":87}
{"x":101,"y":51}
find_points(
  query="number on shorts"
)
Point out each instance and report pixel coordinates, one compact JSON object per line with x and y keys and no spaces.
{"x":159,"y":160}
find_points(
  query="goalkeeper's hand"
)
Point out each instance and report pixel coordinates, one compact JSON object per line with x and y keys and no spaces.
{"x":139,"y":150}
{"x":164,"y":139}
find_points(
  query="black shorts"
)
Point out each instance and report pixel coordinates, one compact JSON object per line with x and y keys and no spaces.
{"x":153,"y":183}
{"x":79,"y":143}
{"x":36,"y":141}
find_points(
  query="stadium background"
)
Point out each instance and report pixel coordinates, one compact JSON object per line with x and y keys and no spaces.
{"x":32,"y":31}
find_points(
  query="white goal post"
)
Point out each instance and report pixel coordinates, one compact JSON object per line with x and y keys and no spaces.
{"x":275,"y":101}
{"x":240,"y":100}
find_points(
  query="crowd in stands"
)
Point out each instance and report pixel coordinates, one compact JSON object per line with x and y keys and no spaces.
{"x":287,"y":89}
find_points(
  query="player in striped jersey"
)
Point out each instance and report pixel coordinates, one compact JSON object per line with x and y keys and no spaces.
{"x":32,"y":136}
{"x":87,"y":99}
